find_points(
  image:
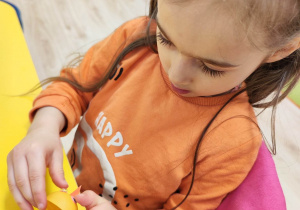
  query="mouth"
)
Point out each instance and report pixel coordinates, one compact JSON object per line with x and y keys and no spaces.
{"x":179,"y":91}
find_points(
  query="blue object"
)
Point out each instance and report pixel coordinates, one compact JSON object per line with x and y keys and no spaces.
{"x":17,"y":11}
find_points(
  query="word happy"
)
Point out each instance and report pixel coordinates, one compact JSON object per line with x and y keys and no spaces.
{"x":105,"y":130}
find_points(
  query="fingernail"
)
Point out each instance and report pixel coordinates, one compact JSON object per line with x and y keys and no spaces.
{"x":40,"y":206}
{"x":79,"y":196}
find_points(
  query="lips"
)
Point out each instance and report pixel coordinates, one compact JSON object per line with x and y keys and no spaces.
{"x":179,"y":91}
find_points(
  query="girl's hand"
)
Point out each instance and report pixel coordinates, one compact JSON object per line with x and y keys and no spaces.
{"x":92,"y":201}
{"x":27,"y":162}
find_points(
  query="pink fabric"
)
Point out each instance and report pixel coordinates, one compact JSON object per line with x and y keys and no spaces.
{"x":260,"y":190}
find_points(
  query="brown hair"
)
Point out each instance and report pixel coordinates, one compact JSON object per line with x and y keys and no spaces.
{"x":279,"y":77}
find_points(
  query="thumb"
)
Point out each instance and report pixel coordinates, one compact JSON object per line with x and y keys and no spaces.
{"x":92,"y":201}
{"x":56,"y":170}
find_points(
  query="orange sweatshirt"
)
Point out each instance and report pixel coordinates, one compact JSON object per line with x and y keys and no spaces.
{"x":136,"y":140}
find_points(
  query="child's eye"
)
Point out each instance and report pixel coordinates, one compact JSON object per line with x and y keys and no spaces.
{"x":162,"y":40}
{"x":205,"y":69}
{"x":211,"y":72}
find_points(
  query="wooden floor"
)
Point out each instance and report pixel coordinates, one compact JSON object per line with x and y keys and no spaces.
{"x":56,"y":29}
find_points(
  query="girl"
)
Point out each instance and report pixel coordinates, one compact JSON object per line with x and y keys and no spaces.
{"x":170,"y":123}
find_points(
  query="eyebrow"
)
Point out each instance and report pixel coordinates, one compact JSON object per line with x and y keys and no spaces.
{"x":206,"y":60}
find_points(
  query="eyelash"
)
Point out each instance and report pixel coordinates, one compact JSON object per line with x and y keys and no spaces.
{"x":213,"y":73}
{"x":162,"y":40}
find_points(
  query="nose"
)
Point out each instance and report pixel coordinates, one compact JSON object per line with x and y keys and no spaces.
{"x":181,"y":72}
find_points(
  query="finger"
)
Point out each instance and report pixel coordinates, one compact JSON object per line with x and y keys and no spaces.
{"x":36,"y":174}
{"x":89,"y":199}
{"x":21,"y":178}
{"x":20,"y":200}
{"x":56,"y":169}
{"x":92,"y":201}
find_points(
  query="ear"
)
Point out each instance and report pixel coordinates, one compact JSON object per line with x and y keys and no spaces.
{"x":285,"y":51}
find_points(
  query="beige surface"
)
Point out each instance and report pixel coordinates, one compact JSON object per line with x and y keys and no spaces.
{"x":57,"y":28}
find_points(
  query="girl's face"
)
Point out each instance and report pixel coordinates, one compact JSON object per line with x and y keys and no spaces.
{"x":202,"y":49}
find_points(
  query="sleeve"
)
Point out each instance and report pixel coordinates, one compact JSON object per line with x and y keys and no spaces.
{"x":226,"y":157}
{"x":69,"y":100}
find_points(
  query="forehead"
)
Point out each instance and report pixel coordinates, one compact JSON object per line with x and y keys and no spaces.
{"x":203,"y":28}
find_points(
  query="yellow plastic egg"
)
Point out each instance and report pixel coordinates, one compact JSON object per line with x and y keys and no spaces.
{"x":61,"y":200}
